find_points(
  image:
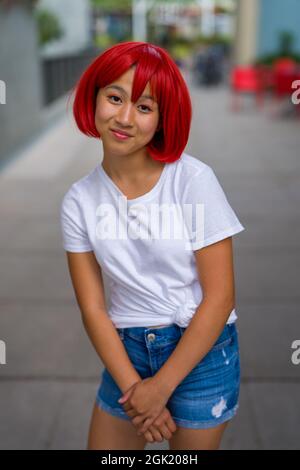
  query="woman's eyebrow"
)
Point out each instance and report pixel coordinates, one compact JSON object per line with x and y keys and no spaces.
{"x":117,"y":87}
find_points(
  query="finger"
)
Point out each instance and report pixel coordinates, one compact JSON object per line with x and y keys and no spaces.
{"x":127,"y":406}
{"x":165,"y":424}
{"x":138,"y":421}
{"x":156,"y":433}
{"x":147,"y":423}
{"x":171,"y":424}
{"x":129,"y":409}
{"x":161,"y":424}
{"x":153,"y":435}
{"x":148,"y":436}
{"x":165,"y":431}
{"x":166,"y":418}
{"x":132,"y":415}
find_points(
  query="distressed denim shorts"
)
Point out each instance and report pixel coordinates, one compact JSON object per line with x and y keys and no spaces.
{"x":206,"y":397}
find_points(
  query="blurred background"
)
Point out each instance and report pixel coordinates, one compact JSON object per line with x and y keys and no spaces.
{"x":241,"y":61}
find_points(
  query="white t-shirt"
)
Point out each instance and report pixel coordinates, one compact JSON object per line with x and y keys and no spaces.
{"x":145,"y":245}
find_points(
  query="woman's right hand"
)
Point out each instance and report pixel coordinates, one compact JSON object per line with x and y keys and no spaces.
{"x":162,"y":427}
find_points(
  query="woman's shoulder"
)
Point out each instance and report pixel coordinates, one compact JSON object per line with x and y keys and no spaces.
{"x":79,"y":187}
{"x":191,"y":166}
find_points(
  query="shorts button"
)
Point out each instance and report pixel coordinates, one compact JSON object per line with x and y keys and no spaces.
{"x":151,"y":336}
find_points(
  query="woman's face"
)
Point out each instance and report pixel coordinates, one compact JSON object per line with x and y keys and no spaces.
{"x":114,"y":110}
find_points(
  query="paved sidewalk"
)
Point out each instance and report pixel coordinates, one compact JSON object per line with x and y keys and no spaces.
{"x":52,"y":373}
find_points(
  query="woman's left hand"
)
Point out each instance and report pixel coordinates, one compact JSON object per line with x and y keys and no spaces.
{"x":143,"y":402}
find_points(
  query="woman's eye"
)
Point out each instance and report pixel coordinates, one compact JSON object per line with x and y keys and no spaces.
{"x":142,"y":105}
{"x":113,"y":96}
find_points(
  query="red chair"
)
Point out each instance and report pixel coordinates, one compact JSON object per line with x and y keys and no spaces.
{"x":246,"y":80}
{"x":295,"y":88}
{"x":285,"y":73}
{"x":284,"y":65}
{"x":283,"y":84}
{"x":267,"y":76}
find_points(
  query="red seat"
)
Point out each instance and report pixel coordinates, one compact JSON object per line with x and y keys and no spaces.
{"x":285,"y":73}
{"x":285,"y":70}
{"x":285,"y":64}
{"x":247,"y":80}
{"x":283,"y":84}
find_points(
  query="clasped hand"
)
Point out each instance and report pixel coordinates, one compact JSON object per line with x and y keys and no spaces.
{"x":143,"y":402}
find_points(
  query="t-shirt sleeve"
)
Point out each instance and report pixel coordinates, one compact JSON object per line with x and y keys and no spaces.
{"x":74,"y":233}
{"x":211,"y":218}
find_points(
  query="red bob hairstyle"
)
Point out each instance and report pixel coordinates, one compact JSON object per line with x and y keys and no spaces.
{"x":154,"y":65}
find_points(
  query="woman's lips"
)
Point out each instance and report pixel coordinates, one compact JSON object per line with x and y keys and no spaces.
{"x":120,"y":136}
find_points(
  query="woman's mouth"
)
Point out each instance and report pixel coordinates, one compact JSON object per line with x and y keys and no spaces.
{"x":120,"y":136}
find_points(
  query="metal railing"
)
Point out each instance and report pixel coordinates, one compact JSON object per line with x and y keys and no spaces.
{"x":61,"y":73}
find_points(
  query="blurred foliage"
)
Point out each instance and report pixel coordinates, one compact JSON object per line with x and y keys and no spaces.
{"x":286,"y":40}
{"x":11,"y":3}
{"x":109,"y":5}
{"x":269,"y":59}
{"x":48,"y":25}
{"x":180,"y":46}
{"x":112,"y":5}
{"x":104,"y":40}
{"x":180,"y":50}
{"x":223,"y":11}
{"x":285,"y":50}
{"x":214,"y":39}
{"x":221,"y":40}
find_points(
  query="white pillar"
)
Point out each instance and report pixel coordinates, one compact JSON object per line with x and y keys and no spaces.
{"x":207,"y":17}
{"x":139,"y":20}
{"x":246,"y":30}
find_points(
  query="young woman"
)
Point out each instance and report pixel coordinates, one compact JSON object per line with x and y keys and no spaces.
{"x":156,"y":222}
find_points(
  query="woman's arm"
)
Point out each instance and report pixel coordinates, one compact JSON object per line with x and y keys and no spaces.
{"x":87,"y":282}
{"x":216,"y":275}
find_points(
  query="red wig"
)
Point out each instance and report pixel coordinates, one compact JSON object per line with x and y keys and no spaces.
{"x":153,"y":64}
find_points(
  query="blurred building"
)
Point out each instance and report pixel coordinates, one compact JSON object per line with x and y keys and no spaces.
{"x":194,"y":18}
{"x":260,"y":25}
{"x":110,"y":26}
{"x":35,"y":75}
{"x":74,"y":17}
{"x":275,"y":18}
{"x":20,"y":71}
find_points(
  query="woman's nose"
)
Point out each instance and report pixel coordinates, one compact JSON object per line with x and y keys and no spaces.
{"x":126,"y":113}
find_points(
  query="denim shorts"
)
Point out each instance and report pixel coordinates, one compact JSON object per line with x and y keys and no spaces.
{"x":206,"y":397}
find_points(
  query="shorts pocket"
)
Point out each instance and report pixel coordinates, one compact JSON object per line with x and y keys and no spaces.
{"x":223,"y":351}
{"x":226,"y":338}
{"x":222,"y":344}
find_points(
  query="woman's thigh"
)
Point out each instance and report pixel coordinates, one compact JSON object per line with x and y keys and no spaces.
{"x":208,"y":396}
{"x":205,"y":399}
{"x":107,"y":432}
{"x":197,"y":439}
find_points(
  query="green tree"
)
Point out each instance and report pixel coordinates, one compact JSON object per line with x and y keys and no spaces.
{"x":49,"y":27}
{"x":112,"y":5}
{"x":286,"y":41}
